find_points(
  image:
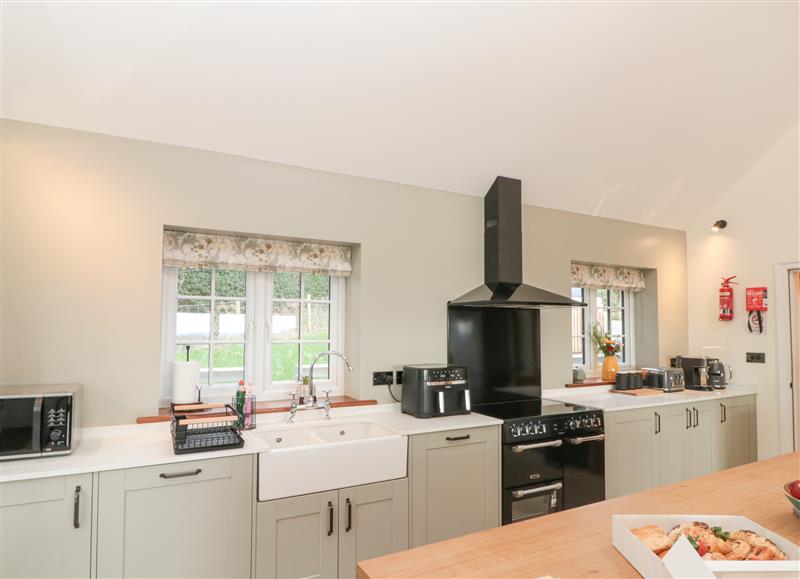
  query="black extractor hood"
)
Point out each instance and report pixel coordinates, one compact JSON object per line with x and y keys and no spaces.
{"x":502,"y":256}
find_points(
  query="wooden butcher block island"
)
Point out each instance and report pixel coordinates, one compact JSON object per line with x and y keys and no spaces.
{"x":577,"y":543}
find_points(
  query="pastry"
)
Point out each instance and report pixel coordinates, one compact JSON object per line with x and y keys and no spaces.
{"x":653,"y":537}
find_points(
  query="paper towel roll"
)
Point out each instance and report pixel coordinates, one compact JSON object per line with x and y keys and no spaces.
{"x":185,"y":377}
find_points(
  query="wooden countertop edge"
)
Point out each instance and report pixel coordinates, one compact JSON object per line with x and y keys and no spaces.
{"x":267,"y":407}
{"x":578,"y":543}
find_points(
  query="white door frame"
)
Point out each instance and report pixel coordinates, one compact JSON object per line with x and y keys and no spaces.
{"x":787,"y":404}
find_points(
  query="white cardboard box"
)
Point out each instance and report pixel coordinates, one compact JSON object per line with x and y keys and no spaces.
{"x":682,"y":560}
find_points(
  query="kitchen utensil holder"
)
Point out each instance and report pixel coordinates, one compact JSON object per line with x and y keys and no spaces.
{"x":216,"y":431}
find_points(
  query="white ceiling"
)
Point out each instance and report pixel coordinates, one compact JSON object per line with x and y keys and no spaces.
{"x":642,"y":111}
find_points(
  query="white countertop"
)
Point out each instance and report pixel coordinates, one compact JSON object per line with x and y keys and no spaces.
{"x":601,"y":398}
{"x":132,"y":445}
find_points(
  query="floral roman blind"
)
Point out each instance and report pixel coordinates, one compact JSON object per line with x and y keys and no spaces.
{"x":212,"y":250}
{"x":607,"y":276}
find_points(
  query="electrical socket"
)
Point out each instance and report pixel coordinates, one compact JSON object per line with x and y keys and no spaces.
{"x":383,"y":378}
{"x":756,"y":357}
{"x":398,"y":377}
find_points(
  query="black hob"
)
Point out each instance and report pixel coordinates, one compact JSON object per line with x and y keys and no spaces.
{"x":537,"y":419}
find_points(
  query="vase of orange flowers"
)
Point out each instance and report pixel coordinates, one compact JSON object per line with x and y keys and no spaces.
{"x":610,"y":348}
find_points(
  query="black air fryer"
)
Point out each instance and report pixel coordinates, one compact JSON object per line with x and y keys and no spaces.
{"x":434,"y":390}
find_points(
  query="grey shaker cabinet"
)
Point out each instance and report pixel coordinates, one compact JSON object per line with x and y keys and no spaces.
{"x":185,"y":519}
{"x":454,"y":483}
{"x":326,"y":534}
{"x":297,"y":537}
{"x":661,"y":445}
{"x":45,"y":527}
{"x":373,"y":521}
{"x":632,"y":452}
{"x":735,"y":432}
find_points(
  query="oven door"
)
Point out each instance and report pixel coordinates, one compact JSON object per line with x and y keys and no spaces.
{"x":532,"y":462}
{"x":20,"y":426}
{"x":584,"y":470}
{"x":532,"y":501}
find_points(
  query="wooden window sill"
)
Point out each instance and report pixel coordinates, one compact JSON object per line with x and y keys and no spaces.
{"x":266,"y":407}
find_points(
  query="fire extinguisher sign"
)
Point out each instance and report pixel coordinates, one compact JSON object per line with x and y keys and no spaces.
{"x":756,"y":299}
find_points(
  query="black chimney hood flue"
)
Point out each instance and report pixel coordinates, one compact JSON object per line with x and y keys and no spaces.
{"x":502,"y":256}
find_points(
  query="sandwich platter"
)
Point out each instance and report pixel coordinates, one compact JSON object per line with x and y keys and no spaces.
{"x":680,"y":556}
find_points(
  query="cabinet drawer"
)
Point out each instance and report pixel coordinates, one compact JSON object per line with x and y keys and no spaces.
{"x":177,"y":473}
{"x":458,"y":437}
{"x":31,"y":491}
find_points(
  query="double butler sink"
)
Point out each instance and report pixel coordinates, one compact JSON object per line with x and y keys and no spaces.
{"x":321,"y":456}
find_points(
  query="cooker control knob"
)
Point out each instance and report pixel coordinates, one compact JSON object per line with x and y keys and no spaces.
{"x":515,"y":431}
{"x":573,"y":424}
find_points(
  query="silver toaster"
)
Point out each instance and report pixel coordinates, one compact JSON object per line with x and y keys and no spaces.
{"x":666,"y":379}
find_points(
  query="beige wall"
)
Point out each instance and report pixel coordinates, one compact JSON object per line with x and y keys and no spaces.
{"x":81,"y":258}
{"x":763,"y":214}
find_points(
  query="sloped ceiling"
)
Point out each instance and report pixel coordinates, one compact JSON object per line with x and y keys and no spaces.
{"x":642,"y":111}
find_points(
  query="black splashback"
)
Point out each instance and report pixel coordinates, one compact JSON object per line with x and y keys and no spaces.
{"x":501,"y":347}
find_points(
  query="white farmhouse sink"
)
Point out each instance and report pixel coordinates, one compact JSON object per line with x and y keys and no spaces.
{"x":310,"y":458}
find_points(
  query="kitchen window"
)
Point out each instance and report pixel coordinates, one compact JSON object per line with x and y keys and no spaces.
{"x":261,"y":327}
{"x":613,"y":310}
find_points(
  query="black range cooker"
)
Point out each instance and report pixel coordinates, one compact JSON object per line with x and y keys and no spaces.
{"x":553,"y":456}
{"x":553,"y":453}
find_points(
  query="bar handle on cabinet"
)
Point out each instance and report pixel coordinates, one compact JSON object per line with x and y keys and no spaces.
{"x":180,"y":474}
{"x":724,"y":414}
{"x":658,"y":423}
{"x":696,"y":417}
{"x":454,"y":438}
{"x":76,"y":508}
{"x":688,"y":418}
{"x":330,"y":518}
{"x":349,"y":516}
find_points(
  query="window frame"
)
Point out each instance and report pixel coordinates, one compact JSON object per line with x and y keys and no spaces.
{"x":258,"y":339}
{"x":592,"y":367}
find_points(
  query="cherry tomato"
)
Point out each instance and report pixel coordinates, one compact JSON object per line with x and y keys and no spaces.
{"x":702,"y":548}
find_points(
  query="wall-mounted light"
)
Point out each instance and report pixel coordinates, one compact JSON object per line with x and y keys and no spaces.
{"x":719,"y":224}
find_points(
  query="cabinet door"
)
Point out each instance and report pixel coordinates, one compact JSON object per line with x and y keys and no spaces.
{"x":699,"y":448}
{"x":186,"y":519}
{"x":454,"y":483}
{"x":631,"y":452}
{"x":297,"y":537}
{"x":735,"y":432}
{"x":45,"y":527}
{"x":373,"y":521}
{"x":673,"y":424}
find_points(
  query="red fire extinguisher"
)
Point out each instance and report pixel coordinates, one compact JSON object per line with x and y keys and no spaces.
{"x":726,"y":299}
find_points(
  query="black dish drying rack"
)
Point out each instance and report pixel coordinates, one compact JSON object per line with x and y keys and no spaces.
{"x":205,"y":427}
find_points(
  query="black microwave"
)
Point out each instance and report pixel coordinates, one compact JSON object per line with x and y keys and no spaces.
{"x":39,"y":420}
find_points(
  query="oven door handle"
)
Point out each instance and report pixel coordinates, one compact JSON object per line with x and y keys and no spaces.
{"x":553,"y":487}
{"x":582,"y":439}
{"x":523,"y":447}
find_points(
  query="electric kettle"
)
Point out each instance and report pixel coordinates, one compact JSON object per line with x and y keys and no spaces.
{"x":718,"y":374}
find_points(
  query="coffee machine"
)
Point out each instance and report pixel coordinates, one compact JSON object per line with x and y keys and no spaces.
{"x":695,"y":371}
{"x":431,"y":390}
